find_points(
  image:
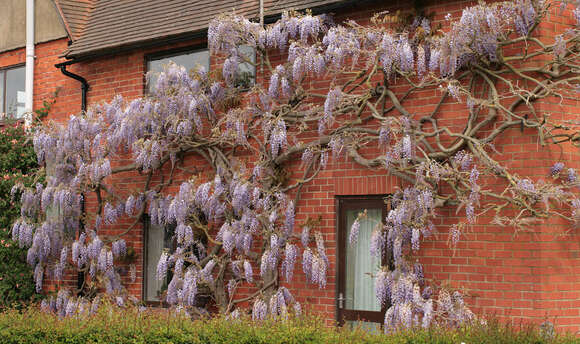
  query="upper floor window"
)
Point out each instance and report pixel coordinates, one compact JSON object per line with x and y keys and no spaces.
{"x":246,"y":76}
{"x":12,"y":91}
{"x":188,"y":59}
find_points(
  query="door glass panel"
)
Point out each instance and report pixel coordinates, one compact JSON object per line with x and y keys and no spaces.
{"x":15,"y":95}
{"x":359,"y":289}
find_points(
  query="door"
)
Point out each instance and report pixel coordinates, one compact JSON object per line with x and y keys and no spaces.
{"x":357,"y":304}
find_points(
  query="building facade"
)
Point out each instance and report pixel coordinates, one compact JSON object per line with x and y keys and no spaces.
{"x":109,"y":46}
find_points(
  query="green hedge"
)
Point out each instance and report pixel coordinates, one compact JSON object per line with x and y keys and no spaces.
{"x":111,"y":326}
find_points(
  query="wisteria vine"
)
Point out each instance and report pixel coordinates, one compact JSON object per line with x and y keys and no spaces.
{"x":241,"y":216}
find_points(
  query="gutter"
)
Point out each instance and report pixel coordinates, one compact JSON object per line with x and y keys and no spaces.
{"x":83,"y":81}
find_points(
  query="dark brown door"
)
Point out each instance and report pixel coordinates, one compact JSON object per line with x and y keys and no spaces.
{"x":356,"y":302}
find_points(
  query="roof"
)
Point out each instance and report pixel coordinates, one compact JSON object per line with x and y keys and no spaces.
{"x":75,"y":14}
{"x":99,"y":27}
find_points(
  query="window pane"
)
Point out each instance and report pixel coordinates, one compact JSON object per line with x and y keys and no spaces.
{"x":187,"y":60}
{"x":158,"y":239}
{"x":2,"y":92}
{"x":15,"y":95}
{"x":246,"y":71}
{"x":360,"y":293}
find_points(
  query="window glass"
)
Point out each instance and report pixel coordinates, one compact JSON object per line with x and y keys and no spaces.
{"x":360,"y":294}
{"x":246,"y":70}
{"x":15,"y":92}
{"x":158,"y":238}
{"x":189,"y":60}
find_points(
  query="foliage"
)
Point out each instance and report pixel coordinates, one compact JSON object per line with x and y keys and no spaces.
{"x":43,"y":112}
{"x":238,"y":215}
{"x":17,"y":165}
{"x":148,"y":326}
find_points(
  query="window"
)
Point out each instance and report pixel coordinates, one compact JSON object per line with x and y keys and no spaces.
{"x":356,"y":300}
{"x":157,"y":239}
{"x":12,"y":91}
{"x":188,"y":59}
{"x":246,"y":76}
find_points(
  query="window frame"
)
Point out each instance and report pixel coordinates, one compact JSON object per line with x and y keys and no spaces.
{"x":4,"y":90}
{"x":158,"y":55}
{"x":342,"y":205}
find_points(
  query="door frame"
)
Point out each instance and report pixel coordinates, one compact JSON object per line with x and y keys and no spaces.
{"x":342,"y":204}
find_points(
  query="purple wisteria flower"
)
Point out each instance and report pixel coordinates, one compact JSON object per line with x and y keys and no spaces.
{"x":333,"y":99}
{"x":526,"y":185}
{"x":454,"y":235}
{"x":385,"y":135}
{"x":383,"y":285}
{"x":556,"y":169}
{"x":307,"y":156}
{"x":248,"y":271}
{"x":307,"y":258}
{"x":336,"y":145}
{"x":354,"y":229}
{"x":377,"y":243}
{"x":559,"y":49}
{"x":278,"y":138}
{"x":572,"y":175}
{"x":305,"y":236}
{"x":421,"y":61}
{"x":463,"y":160}
{"x":289,"y":215}
{"x":289,"y":261}
{"x":260,"y":310}
{"x":525,"y":17}
{"x":119,"y":248}
{"x":162,"y":266}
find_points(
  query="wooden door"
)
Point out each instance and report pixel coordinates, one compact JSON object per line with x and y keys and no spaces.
{"x":356,"y":302}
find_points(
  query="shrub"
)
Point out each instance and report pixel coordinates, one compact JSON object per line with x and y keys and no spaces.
{"x":110,"y":325}
{"x":17,"y":163}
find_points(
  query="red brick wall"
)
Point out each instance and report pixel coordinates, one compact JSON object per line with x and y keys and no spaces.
{"x":529,"y":276}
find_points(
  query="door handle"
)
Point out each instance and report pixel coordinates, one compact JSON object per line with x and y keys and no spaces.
{"x":341,"y":300}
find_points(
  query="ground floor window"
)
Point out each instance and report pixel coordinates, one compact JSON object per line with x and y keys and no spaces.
{"x":157,"y":239}
{"x":357,"y":304}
